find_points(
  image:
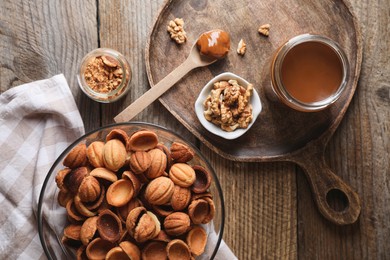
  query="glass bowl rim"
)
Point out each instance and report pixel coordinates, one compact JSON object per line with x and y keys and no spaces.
{"x":133,"y":123}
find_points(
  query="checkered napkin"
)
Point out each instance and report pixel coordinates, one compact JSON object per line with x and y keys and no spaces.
{"x":37,"y":122}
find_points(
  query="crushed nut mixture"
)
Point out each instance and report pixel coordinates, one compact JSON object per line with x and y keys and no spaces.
{"x":241,"y":48}
{"x":264,"y":29}
{"x":228,"y":105}
{"x":176,"y":30}
{"x":103,"y":74}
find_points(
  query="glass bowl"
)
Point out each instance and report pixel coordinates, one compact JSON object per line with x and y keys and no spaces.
{"x":52,"y":218}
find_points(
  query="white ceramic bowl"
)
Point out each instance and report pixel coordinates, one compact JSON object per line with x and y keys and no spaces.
{"x":199,"y":109}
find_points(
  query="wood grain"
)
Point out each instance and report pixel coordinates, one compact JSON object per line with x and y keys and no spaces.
{"x":260,"y":203}
{"x":139,"y":21}
{"x":279,"y":133}
{"x":278,"y":130}
{"x":359,"y":152}
{"x":194,"y":60}
{"x":270,"y":213}
{"x":124,"y":26}
{"x":40,"y":39}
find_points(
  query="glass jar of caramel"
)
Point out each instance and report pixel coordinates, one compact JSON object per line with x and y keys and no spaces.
{"x":104,"y":75}
{"x":309,"y":72}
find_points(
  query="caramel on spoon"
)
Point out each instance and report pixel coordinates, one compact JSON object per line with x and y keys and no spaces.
{"x":210,"y":47}
{"x":214,"y":44}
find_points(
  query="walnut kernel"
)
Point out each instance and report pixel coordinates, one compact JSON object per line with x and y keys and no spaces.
{"x":241,"y":48}
{"x":176,"y":30}
{"x":264,"y":29}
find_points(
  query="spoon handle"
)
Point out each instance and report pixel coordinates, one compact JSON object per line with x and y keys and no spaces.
{"x":155,"y":92}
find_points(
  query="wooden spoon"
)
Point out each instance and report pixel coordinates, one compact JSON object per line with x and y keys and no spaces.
{"x":194,"y":60}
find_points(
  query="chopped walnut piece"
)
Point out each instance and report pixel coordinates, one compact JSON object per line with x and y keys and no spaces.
{"x":241,"y":48}
{"x":176,"y":30}
{"x":221,"y":84}
{"x":231,"y":95}
{"x":215,"y":101}
{"x":228,"y":105}
{"x":264,"y":29}
{"x":245,"y":117}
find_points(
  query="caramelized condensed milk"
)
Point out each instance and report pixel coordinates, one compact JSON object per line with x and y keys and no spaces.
{"x":309,"y":72}
{"x":214,"y":44}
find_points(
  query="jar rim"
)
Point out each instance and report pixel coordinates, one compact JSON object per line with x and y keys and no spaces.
{"x":277,"y":83}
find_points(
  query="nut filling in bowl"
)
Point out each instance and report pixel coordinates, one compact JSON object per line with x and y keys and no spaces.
{"x":228,"y":106}
{"x":133,"y":190}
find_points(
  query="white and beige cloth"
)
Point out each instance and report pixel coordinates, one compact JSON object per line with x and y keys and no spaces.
{"x":37,"y":122}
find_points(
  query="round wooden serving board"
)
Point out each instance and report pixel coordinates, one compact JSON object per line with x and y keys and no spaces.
{"x":279,"y":133}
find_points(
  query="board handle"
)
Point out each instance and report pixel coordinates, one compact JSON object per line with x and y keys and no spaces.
{"x":336,"y":201}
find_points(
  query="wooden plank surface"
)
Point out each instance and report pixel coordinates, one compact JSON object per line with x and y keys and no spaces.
{"x":124,"y":26}
{"x":40,"y":39}
{"x":278,"y":131}
{"x":269,"y":209}
{"x":359,"y":153}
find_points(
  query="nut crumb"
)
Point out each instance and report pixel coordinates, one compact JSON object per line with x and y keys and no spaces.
{"x":176,"y":30}
{"x":103,"y":74}
{"x":264,"y":29}
{"x":241,"y":48}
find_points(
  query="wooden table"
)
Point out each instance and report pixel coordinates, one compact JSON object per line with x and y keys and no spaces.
{"x":270,"y":212}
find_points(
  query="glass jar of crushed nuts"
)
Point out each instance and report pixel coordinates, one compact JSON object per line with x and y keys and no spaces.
{"x":104,"y":75}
